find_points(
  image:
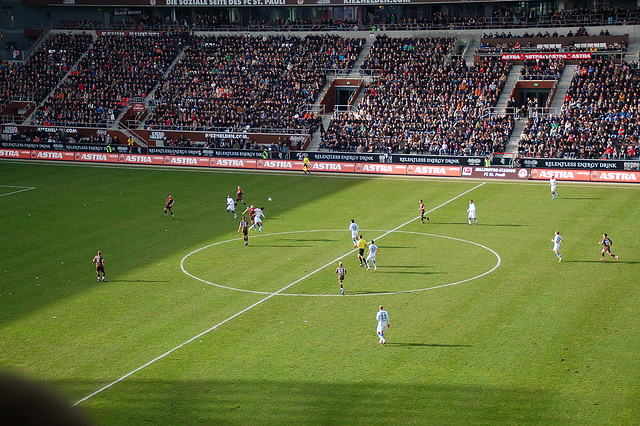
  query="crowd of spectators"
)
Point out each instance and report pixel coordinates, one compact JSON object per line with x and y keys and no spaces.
{"x":35,"y":78}
{"x":421,"y":104}
{"x":542,"y":69}
{"x":116,"y":68}
{"x":81,"y":24}
{"x":250,"y":82}
{"x":600,"y":117}
{"x":508,"y":43}
{"x":580,"y":32}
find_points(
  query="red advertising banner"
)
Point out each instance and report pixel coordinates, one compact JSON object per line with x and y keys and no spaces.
{"x":280,"y":165}
{"x":234,"y":163}
{"x":174,"y":160}
{"x":96,"y":157}
{"x":52,"y":155}
{"x":495,"y":173}
{"x":549,"y":55}
{"x":141,"y":159}
{"x":15,"y":153}
{"x":385,"y":169}
{"x":610,"y":176}
{"x":433,"y":170}
{"x":581,"y":175}
{"x":330,"y":166}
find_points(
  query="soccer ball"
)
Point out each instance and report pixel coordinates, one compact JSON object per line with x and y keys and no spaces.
{"x":269,"y":199}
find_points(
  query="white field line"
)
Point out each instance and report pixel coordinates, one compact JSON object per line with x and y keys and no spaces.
{"x":499,"y":261}
{"x":22,"y":189}
{"x":331,"y":174}
{"x":259,"y":302}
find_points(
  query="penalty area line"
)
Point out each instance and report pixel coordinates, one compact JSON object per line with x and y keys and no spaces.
{"x":248,"y":308}
{"x":22,"y":189}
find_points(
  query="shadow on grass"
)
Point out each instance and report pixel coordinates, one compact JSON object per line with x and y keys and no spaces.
{"x":283,"y":245}
{"x":431,"y":345}
{"x":311,"y":240}
{"x":311,"y":402}
{"x":138,"y":281}
{"x":484,"y":224}
{"x":629,"y":262}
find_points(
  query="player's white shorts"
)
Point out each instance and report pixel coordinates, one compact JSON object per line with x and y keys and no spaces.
{"x":257,"y":220}
{"x":354,"y":234}
{"x":371,"y":256}
{"x":472,"y":215}
{"x":553,"y":189}
{"x":230,"y":208}
{"x":381,"y":327}
{"x":556,"y":247}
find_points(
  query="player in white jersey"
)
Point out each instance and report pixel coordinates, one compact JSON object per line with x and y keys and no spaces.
{"x":257,"y":219}
{"x":383,"y":323}
{"x":557,"y":239}
{"x":371,"y":256}
{"x":472,"y":212}
{"x":231,"y":206}
{"x":552,"y":184}
{"x":353,"y":227}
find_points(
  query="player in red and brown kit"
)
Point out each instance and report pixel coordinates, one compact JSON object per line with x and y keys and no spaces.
{"x":606,"y":242}
{"x":252,"y":213}
{"x":168,"y":205}
{"x":99,"y":261}
{"x":239,"y":194}
{"x":244,"y":227}
{"x":422,"y":209}
{"x":341,"y":271}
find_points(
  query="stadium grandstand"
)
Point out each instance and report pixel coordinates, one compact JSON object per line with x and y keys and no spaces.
{"x":504,"y":81}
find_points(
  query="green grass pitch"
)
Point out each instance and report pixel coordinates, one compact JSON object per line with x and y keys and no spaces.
{"x":195,"y":328}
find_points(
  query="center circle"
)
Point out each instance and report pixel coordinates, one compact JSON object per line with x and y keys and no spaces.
{"x":305,"y":241}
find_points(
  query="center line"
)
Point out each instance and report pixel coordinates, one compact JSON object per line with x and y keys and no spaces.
{"x":170,"y":351}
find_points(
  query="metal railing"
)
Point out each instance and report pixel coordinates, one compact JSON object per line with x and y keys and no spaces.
{"x":13,"y":119}
{"x":493,"y":23}
{"x":246,"y":129}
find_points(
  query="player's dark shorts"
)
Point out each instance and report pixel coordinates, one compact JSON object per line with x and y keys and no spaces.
{"x":607,"y":249}
{"x":239,"y":198}
{"x":167,"y":206}
{"x":341,"y":277}
{"x":100,"y":268}
{"x":422,"y":212}
{"x":361,"y":252}
{"x":245,"y":232}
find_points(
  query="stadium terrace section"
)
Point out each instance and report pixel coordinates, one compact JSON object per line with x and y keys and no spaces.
{"x":34,"y":79}
{"x":116,"y":68}
{"x":419,"y":103}
{"x":599,"y":116}
{"x":250,"y":81}
{"x":419,"y":97}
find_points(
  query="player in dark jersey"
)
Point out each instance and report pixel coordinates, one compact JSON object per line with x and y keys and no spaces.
{"x":252,"y":214}
{"x":239,"y":194}
{"x":99,"y":261}
{"x":168,"y":205}
{"x":244,"y":227}
{"x":341,"y":270}
{"x":421,"y":208}
{"x":606,"y":242}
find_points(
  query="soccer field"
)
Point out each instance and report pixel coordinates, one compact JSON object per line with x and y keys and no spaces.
{"x":195,"y":327}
